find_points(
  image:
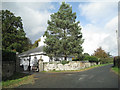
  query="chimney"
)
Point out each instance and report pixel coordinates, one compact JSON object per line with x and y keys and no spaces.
{"x":41,"y":43}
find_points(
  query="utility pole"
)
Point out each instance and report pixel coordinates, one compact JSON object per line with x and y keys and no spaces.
{"x":118,"y":37}
{"x":118,"y":42}
{"x":118,"y":34}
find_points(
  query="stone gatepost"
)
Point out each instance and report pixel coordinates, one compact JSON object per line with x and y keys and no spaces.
{"x":98,"y":63}
{"x":40,"y":64}
{"x":17,"y":63}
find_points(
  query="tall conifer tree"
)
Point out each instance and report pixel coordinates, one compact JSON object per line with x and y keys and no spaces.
{"x":63,"y":34}
{"x":13,"y":35}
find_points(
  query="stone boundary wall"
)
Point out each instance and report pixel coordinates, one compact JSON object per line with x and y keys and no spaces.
{"x":72,"y":65}
{"x":8,"y":68}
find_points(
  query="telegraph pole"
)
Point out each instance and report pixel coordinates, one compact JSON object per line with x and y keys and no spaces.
{"x":117,"y":42}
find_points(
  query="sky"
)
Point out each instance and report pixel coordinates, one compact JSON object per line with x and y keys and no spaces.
{"x":98,"y":19}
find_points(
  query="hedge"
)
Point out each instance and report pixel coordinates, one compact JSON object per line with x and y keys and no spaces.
{"x":76,"y":59}
{"x":91,"y":58}
{"x":117,"y":61}
{"x":64,"y":62}
{"x":106,"y":60}
{"x":8,"y":55}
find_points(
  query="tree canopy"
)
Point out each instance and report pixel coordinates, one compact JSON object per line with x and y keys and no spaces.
{"x":36,"y":43}
{"x":100,"y":53}
{"x":13,"y":35}
{"x":91,"y":58}
{"x":86,"y":54}
{"x":63,"y":34}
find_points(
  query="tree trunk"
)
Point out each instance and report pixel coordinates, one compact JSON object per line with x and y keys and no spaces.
{"x":65,"y":57}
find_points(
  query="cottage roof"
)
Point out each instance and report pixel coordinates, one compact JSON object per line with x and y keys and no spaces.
{"x":35,"y":50}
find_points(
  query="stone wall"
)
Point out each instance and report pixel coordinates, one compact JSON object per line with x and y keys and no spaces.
{"x":17,"y":64}
{"x":8,"y":68}
{"x":0,"y":72}
{"x":72,"y":65}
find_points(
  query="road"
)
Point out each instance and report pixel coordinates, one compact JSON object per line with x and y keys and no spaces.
{"x":100,"y":77}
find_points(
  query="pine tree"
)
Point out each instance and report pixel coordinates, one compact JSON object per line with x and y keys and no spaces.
{"x":63,"y":34}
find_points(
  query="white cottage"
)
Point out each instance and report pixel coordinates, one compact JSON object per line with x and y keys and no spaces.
{"x":35,"y":54}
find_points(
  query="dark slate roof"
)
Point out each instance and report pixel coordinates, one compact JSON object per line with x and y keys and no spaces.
{"x":35,"y":50}
{"x":39,"y":49}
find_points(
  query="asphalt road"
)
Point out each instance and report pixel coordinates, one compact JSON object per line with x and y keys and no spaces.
{"x":100,"y":77}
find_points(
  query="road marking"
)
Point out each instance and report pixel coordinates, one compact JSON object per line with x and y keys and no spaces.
{"x":91,"y":76}
{"x":69,"y":74}
{"x":80,"y":78}
{"x":83,"y":75}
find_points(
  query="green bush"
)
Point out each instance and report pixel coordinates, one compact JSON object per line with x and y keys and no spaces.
{"x":106,"y":60}
{"x":76,"y":59}
{"x":81,"y":57}
{"x":91,"y":58}
{"x":103,"y":61}
{"x":64,"y":62}
{"x":117,"y":61}
{"x":8,"y":55}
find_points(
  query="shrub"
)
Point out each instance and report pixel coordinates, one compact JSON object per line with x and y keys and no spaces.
{"x":81,"y":57}
{"x":106,"y":60}
{"x":110,"y":60}
{"x":76,"y":59}
{"x":8,"y":55}
{"x":64,"y":62}
{"x":91,"y":58}
{"x":103,"y":61}
{"x":117,"y":61}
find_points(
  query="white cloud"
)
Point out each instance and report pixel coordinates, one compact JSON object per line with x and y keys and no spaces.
{"x":61,"y":0}
{"x":112,"y":24}
{"x":37,"y":21}
{"x":95,"y":37}
{"x":101,"y":27}
{"x":34,"y":15}
{"x":92,"y":38}
{"x":97,"y":12}
{"x":27,"y":0}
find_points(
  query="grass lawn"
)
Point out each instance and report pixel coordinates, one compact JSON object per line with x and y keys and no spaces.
{"x":79,"y":70}
{"x":116,"y":70}
{"x":16,"y":80}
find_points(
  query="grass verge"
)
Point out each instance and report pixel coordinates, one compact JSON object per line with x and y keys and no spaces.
{"x":94,"y":66}
{"x":116,"y":70}
{"x":17,"y":82}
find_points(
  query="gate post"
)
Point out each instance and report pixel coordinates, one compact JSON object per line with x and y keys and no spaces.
{"x":40,"y":64}
{"x":17,"y":63}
